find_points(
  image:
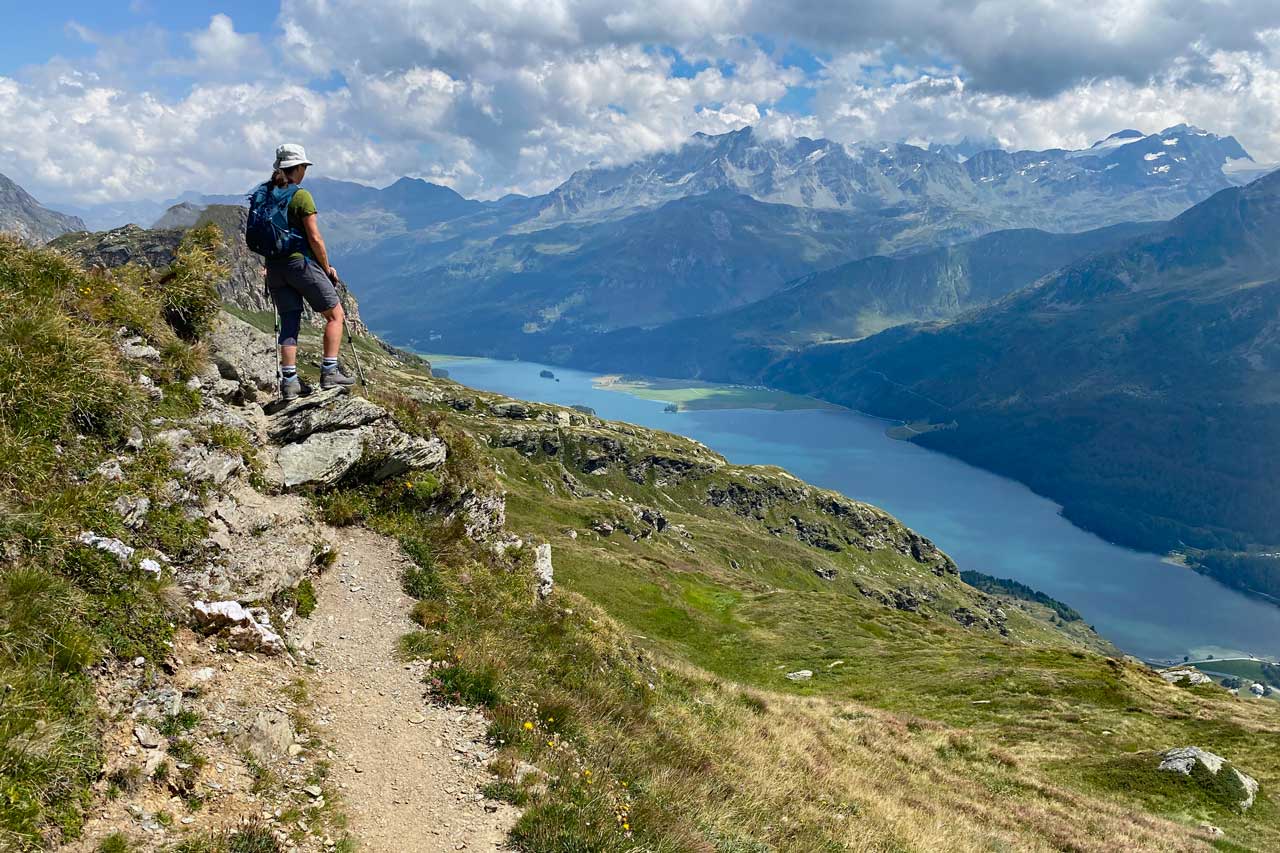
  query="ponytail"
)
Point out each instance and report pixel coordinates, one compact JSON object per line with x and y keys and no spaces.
{"x":278,"y":179}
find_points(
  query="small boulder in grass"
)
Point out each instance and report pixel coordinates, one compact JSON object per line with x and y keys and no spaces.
{"x":115,"y":547}
{"x":543,"y":570}
{"x":1187,"y":675}
{"x":800,"y":675}
{"x":1184,"y":759}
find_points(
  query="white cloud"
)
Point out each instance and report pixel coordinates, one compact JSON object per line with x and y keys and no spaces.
{"x":855,"y":102}
{"x":220,"y":48}
{"x":492,"y":96}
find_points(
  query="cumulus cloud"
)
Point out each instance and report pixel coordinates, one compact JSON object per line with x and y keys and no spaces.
{"x":492,"y":96}
{"x":220,"y":48}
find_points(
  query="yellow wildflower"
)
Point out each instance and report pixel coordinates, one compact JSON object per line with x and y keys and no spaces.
{"x":528,"y":727}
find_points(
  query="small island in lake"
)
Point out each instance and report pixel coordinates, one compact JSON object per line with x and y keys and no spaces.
{"x":547,"y":374}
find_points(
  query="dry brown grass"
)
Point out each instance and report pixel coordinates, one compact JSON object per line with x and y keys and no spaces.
{"x":811,"y":773}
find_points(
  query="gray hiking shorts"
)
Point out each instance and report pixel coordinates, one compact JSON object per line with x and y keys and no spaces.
{"x":292,"y":280}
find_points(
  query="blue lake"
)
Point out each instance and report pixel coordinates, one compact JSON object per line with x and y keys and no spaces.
{"x":1147,"y":606}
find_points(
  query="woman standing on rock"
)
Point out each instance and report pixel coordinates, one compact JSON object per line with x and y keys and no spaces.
{"x":283,"y":227}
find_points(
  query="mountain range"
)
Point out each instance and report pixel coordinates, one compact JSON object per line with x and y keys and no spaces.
{"x":726,"y":220}
{"x":716,"y":224}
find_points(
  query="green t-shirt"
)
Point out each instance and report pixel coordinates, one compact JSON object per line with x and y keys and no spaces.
{"x":301,"y":206}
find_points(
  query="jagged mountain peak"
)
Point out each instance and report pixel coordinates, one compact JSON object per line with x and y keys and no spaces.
{"x":1181,"y":162}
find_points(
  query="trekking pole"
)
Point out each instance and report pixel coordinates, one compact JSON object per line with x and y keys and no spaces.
{"x":275,"y":315}
{"x":351,"y":344}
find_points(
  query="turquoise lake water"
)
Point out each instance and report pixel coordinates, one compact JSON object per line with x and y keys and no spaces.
{"x":1146,"y":606}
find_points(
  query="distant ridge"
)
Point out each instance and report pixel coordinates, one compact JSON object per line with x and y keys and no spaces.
{"x":28,"y":220}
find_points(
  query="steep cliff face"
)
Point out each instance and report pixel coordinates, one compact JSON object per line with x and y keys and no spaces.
{"x":28,"y":220}
{"x":244,"y":285}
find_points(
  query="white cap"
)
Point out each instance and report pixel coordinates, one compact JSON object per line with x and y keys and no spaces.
{"x":291,"y":154}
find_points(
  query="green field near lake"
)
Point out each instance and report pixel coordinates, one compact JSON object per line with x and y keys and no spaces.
{"x":688,"y":395}
{"x":1240,"y":668}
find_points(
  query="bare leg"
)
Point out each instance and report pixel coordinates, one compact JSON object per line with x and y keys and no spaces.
{"x":333,"y":330}
{"x":288,"y":356}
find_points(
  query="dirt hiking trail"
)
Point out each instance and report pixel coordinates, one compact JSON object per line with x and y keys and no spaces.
{"x":409,"y":770}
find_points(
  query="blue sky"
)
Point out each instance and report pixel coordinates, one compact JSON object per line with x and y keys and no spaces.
{"x":35,"y":32}
{"x":117,"y":101}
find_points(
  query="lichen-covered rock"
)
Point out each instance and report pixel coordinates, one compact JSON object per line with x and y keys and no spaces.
{"x":132,"y":510}
{"x":114,"y":547}
{"x":322,"y":459}
{"x":201,"y":463}
{"x":331,"y":435}
{"x":128,"y":244}
{"x":484,"y":514}
{"x":133,"y":346}
{"x":390,"y":452}
{"x":372,"y":452}
{"x":515,"y":411}
{"x":258,"y":545}
{"x":242,"y":353}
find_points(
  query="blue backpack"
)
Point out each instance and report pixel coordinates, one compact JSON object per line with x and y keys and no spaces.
{"x":267,"y":232}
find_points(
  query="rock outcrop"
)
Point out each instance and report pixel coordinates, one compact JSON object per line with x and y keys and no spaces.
{"x":243,"y":354}
{"x":543,"y":569}
{"x":327,"y":438}
{"x":128,"y":244}
{"x":244,"y":286}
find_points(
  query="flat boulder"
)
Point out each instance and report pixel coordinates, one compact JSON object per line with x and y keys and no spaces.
{"x":322,"y":459}
{"x":321,"y":411}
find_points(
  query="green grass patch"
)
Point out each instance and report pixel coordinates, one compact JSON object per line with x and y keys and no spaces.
{"x":64,"y":606}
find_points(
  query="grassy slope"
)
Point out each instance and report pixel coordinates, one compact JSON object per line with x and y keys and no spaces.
{"x":64,"y":607}
{"x":659,"y":664}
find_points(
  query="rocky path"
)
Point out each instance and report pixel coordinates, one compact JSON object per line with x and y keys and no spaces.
{"x":409,"y":770}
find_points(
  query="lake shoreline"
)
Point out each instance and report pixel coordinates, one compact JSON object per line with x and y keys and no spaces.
{"x":987,"y":522}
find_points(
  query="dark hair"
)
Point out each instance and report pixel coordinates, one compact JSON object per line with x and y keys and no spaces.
{"x":280,"y":177}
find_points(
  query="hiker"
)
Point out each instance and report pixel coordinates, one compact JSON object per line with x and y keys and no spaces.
{"x":283,"y":227}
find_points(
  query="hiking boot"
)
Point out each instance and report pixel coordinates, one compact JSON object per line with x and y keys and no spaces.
{"x":290,"y":388}
{"x":335,"y":378}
